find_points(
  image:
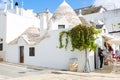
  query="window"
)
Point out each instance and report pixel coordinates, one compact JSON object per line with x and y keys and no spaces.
{"x":1,"y":46}
{"x":31,"y":51}
{"x":61,"y":26}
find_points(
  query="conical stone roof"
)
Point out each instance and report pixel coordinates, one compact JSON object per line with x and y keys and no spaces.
{"x":65,"y":11}
{"x":31,"y":36}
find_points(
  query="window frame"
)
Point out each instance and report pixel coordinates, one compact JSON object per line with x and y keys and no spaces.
{"x":1,"y":46}
{"x":62,"y":26}
{"x":31,"y":51}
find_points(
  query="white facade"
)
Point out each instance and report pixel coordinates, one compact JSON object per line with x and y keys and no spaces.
{"x":110,"y":18}
{"x":47,"y":54}
{"x":18,"y":24}
{"x":13,"y":22}
{"x":3,"y":19}
{"x":58,"y":22}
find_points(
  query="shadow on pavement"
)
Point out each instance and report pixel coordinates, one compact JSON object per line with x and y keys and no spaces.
{"x":106,"y":69}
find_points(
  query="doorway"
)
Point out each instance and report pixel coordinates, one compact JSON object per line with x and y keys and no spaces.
{"x":21,"y":54}
{"x":95,"y":65}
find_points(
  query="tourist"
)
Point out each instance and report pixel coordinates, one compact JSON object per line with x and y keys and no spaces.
{"x":101,"y":56}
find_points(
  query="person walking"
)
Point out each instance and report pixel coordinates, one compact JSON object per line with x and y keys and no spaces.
{"x":101,"y":56}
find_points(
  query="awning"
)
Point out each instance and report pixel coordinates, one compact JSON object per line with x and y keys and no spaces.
{"x":114,"y":41}
{"x":107,"y":37}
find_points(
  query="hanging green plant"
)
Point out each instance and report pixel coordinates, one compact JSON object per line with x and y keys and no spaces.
{"x":81,"y":37}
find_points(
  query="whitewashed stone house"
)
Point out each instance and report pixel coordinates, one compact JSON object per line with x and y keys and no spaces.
{"x":39,"y":46}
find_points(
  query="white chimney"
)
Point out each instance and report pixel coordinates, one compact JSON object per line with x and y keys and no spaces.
{"x":11,"y":4}
{"x":5,"y":6}
{"x":80,"y":13}
{"x":16,"y":8}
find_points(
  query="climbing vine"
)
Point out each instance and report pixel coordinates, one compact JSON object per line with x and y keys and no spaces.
{"x":81,"y":37}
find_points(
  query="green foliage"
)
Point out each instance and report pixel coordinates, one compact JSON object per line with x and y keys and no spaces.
{"x":81,"y":37}
{"x":60,"y":39}
{"x":118,"y":24}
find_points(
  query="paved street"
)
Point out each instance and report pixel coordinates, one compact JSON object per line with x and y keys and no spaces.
{"x":9,"y":71}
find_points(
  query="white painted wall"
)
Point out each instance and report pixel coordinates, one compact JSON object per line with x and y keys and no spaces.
{"x":43,"y":22}
{"x":2,"y":25}
{"x":22,"y":12}
{"x":16,"y":24}
{"x":57,"y":22}
{"x":3,"y":32}
{"x":27,"y":13}
{"x":47,"y":54}
{"x":46,"y":22}
{"x":12,"y":53}
{"x":12,"y":25}
{"x":109,"y":17}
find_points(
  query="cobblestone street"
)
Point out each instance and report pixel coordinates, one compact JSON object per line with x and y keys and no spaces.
{"x":9,"y":71}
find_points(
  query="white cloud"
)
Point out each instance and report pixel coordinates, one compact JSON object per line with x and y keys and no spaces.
{"x":2,"y":3}
{"x":108,"y":4}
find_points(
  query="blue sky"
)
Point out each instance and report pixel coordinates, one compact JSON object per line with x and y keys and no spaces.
{"x":42,"y":5}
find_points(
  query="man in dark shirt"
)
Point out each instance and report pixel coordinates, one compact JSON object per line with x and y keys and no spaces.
{"x":101,"y":56}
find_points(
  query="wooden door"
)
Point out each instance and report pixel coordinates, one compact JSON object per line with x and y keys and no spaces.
{"x":21,"y":54}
